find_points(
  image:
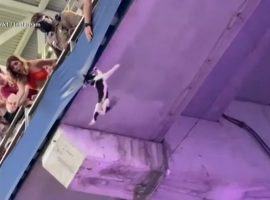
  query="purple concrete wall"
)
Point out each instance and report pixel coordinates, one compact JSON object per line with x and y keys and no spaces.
{"x":218,"y":160}
{"x":250,"y":47}
{"x":160,"y":46}
{"x":256,"y":86}
{"x":208,"y":161}
{"x":40,"y":185}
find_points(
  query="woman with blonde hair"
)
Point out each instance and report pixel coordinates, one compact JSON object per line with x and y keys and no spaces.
{"x":30,"y":76}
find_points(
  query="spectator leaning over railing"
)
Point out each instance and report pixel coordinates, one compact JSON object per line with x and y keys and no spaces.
{"x":30,"y":76}
{"x":58,"y":29}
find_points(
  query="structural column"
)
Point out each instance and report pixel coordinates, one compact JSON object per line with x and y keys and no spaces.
{"x":104,"y":164}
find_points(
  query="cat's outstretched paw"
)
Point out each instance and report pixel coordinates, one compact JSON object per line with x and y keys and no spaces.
{"x":92,"y":122}
{"x":116,"y":65}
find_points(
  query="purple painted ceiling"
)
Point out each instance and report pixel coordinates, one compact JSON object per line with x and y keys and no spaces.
{"x":160,"y":46}
{"x":247,"y":54}
{"x":218,"y":161}
{"x":255,"y":87}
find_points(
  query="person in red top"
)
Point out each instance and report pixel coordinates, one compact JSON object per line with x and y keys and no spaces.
{"x":30,"y":75}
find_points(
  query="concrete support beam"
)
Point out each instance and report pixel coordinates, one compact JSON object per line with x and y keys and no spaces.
{"x":221,"y":75}
{"x":10,"y":33}
{"x":184,"y":102}
{"x":15,"y":12}
{"x":28,"y":33}
{"x":43,"y":4}
{"x":41,"y":44}
{"x":218,"y":91}
{"x":104,"y":164}
{"x":27,"y":8}
{"x":24,"y":40}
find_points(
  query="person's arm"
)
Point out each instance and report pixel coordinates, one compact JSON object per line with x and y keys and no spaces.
{"x":14,"y":101}
{"x":22,"y":93}
{"x":3,"y":80}
{"x":87,"y":12}
{"x":53,"y":44}
{"x":40,"y":63}
{"x":56,"y":51}
{"x":70,"y":20}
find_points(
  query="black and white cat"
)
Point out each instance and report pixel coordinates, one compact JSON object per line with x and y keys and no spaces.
{"x":98,"y":80}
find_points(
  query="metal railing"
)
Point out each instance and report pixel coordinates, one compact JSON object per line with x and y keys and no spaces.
{"x":18,"y":125}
